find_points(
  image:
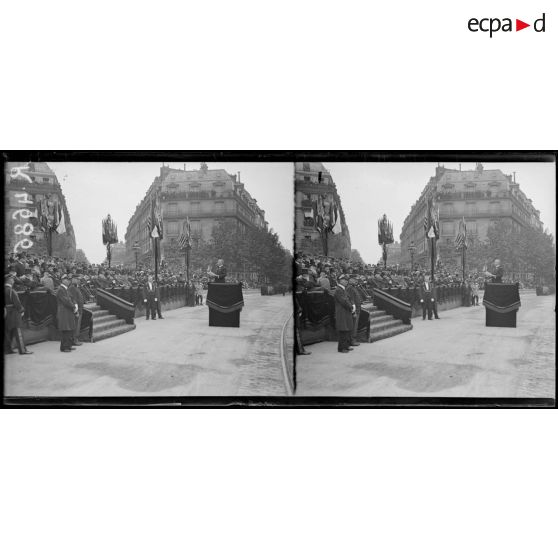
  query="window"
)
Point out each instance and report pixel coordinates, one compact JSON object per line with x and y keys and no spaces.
{"x":306,"y":167}
{"x":470,"y":208}
{"x":307,"y":179}
{"x":220,"y":207}
{"x":172,"y":209}
{"x":195,"y":186}
{"x":195,"y":208}
{"x":447,"y":227}
{"x":195,"y":227}
{"x":172,"y":227}
{"x":46,"y":180}
{"x":471,"y":227}
{"x":494,"y":207}
{"x":447,"y":209}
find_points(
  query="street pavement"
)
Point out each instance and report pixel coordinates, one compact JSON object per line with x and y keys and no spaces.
{"x":178,"y":356}
{"x":456,"y":356}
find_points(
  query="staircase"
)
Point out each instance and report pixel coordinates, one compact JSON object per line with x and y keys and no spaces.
{"x":382,"y":325}
{"x":106,"y":325}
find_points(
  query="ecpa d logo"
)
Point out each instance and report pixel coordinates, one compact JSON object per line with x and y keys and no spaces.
{"x":492,"y":25}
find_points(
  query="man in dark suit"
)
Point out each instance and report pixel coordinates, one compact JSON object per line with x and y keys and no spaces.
{"x":497,"y":272}
{"x":77,"y":298}
{"x":219,"y":272}
{"x":344,"y":309}
{"x":13,"y":312}
{"x":428,"y":298}
{"x":66,"y":315}
{"x":151,"y":298}
{"x":355,"y":298}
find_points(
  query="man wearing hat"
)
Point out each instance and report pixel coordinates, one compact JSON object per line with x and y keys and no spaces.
{"x":356,"y":300}
{"x":66,"y":315}
{"x":344,"y":310}
{"x":77,"y":298}
{"x":13,"y":312}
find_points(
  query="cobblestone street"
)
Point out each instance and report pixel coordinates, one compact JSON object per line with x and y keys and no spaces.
{"x":456,"y":356}
{"x":178,"y":356}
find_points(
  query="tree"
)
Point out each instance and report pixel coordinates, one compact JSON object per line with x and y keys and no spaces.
{"x":81,"y":257}
{"x":526,"y":250}
{"x":356,"y":257}
{"x":251,"y":249}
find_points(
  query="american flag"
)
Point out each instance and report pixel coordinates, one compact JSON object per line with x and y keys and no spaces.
{"x":461,"y":238}
{"x":184,"y":238}
{"x":431,"y":221}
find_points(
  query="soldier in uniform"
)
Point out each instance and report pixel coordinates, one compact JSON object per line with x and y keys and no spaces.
{"x":13,"y":312}
{"x":344,"y":309}
{"x":66,"y":315}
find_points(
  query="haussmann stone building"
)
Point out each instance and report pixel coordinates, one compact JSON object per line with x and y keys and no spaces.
{"x":28,"y":186}
{"x":480,"y":196}
{"x":313,"y":180}
{"x":206,"y":196}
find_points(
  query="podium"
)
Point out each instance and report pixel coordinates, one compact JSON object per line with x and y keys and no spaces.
{"x":225,"y":302}
{"x":501,"y":302}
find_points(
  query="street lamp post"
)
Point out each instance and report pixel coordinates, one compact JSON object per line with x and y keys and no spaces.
{"x":412,"y":250}
{"x":136,"y":249}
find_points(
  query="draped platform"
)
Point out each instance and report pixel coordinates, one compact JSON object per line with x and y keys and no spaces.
{"x":40,"y":317}
{"x":225,"y":302}
{"x":502,"y":302}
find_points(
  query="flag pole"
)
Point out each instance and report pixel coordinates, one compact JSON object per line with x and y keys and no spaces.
{"x":463,"y":260}
{"x":432,"y":248}
{"x":155,"y":250}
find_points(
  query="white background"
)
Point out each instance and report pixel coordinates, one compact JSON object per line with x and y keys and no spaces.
{"x":288,"y":75}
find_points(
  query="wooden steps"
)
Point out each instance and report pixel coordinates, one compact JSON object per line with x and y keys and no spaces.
{"x":106,"y":325}
{"x":382,"y":325}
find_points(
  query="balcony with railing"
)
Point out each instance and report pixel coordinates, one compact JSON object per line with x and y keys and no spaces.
{"x":196,"y":195}
{"x":473,"y":195}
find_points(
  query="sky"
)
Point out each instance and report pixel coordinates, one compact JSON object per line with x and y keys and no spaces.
{"x":93,"y":190}
{"x":368,"y":190}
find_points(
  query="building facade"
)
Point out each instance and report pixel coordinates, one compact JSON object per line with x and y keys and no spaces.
{"x":313,"y":180}
{"x":27,"y":186}
{"x":482,"y":197}
{"x":207,"y":197}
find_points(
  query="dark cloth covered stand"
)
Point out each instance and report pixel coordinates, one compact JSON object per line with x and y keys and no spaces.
{"x":501,"y":301}
{"x":225,"y":301}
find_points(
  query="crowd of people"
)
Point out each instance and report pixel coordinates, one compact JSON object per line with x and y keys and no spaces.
{"x":350,"y":283}
{"x":319,"y":272}
{"x":39,"y":272}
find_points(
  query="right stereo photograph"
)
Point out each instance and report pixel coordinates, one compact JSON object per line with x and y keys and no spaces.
{"x":426,"y":281}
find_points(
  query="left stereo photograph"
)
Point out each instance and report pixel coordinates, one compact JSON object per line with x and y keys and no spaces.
{"x":138,"y":281}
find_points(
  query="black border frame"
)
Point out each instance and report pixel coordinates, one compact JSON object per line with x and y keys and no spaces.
{"x":276,"y":156}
